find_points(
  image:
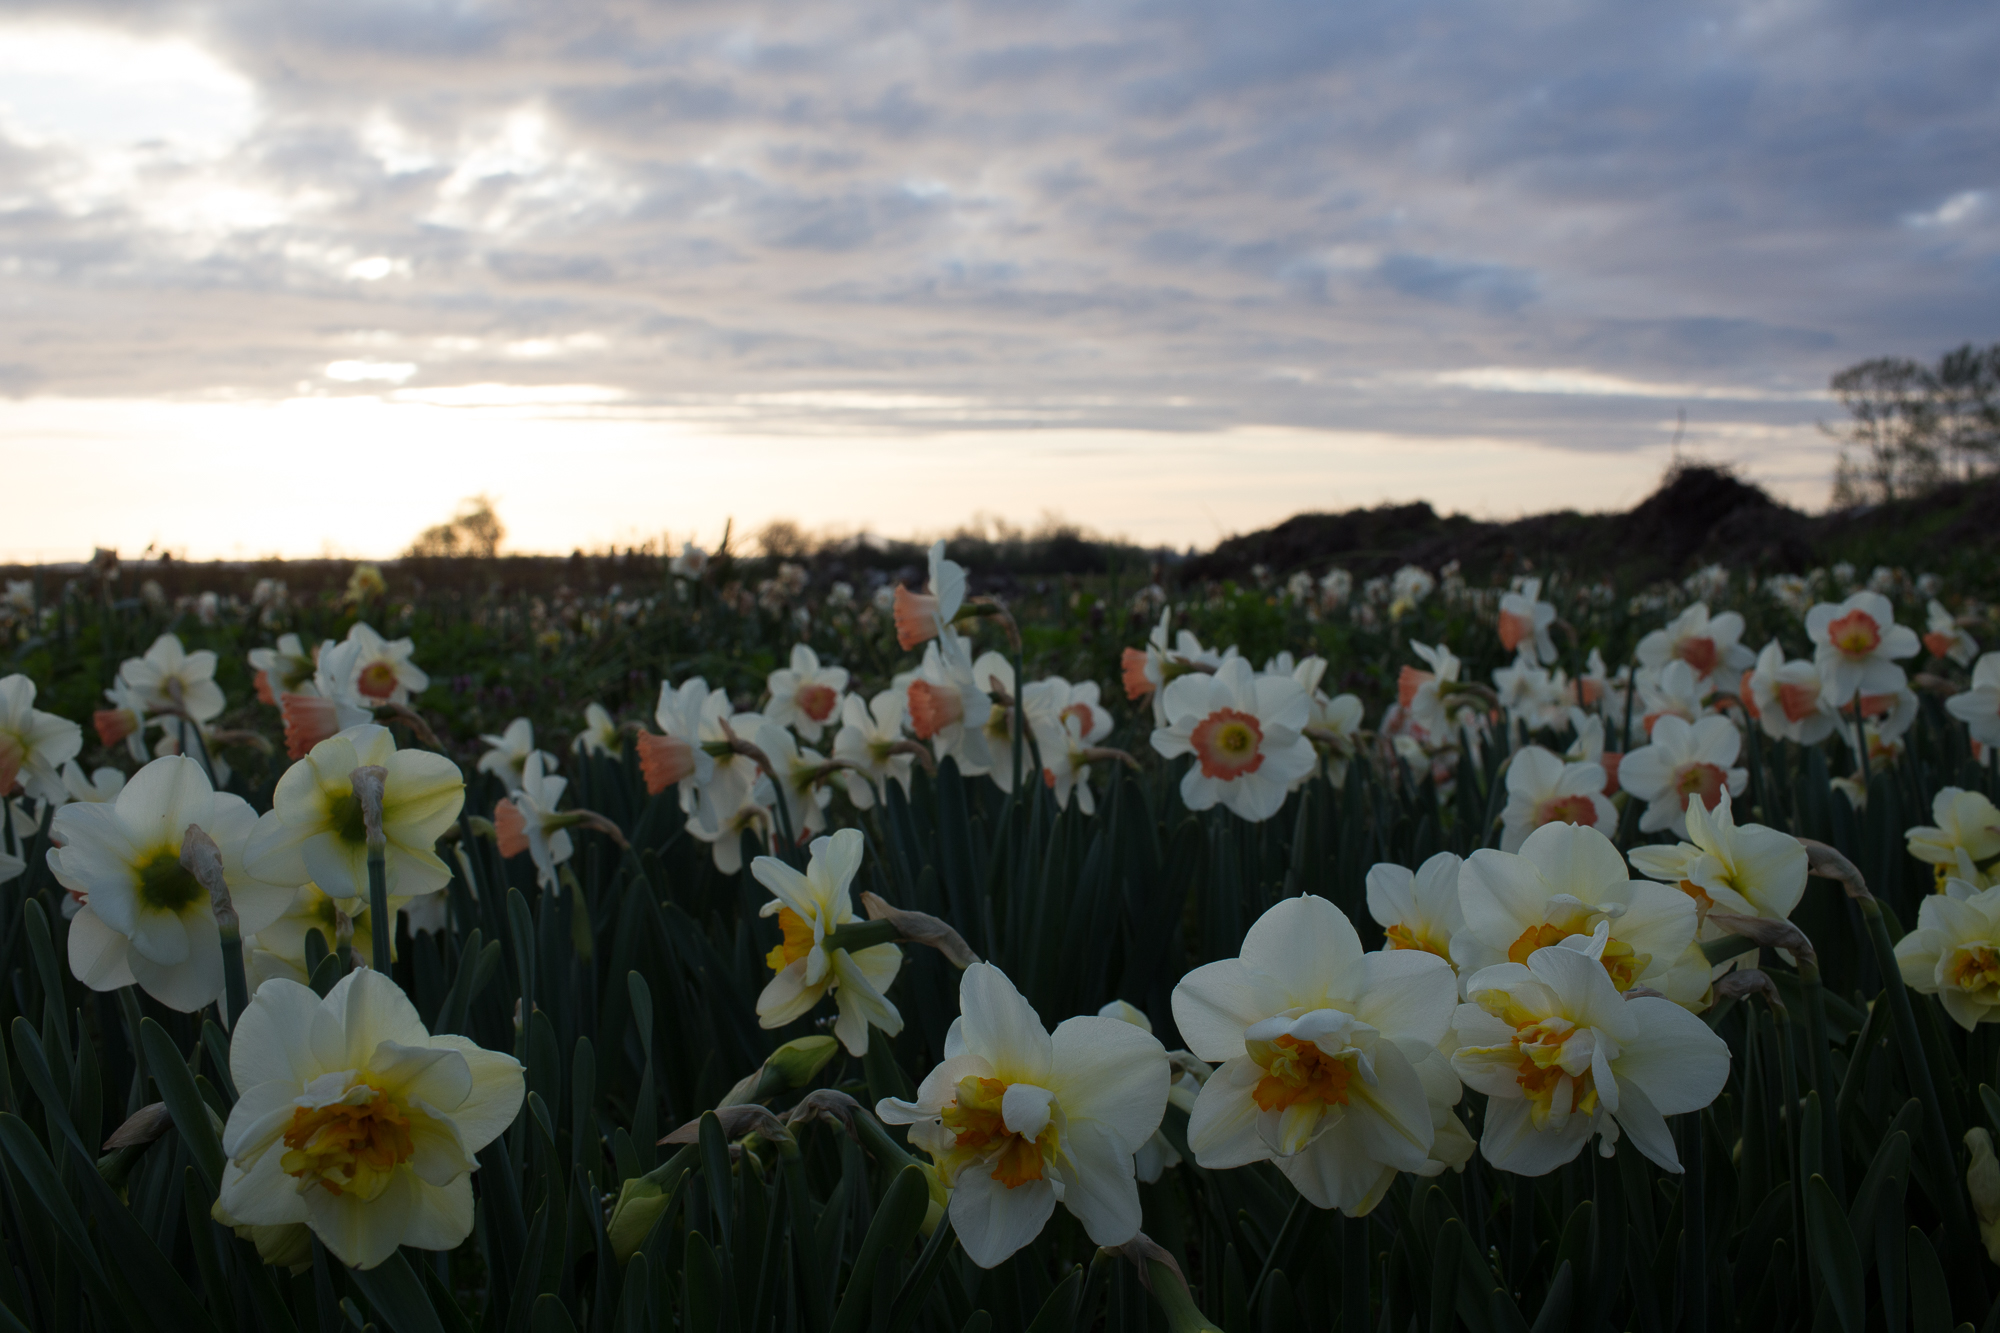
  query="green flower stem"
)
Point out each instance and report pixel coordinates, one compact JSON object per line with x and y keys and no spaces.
{"x":857,"y":935}
{"x":1175,"y":1301}
{"x":369,"y":782}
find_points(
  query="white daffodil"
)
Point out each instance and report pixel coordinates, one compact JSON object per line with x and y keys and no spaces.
{"x":507,"y":754}
{"x":1018,"y":1118}
{"x":1244,"y":732}
{"x":1954,"y":953}
{"x":1745,"y":869}
{"x":1418,"y":909}
{"x":948,"y":706}
{"x":1421,"y":694}
{"x":124,"y":721}
{"x":867,"y":740}
{"x":1711,"y":645}
{"x":809,"y":907}
{"x":921,"y":616}
{"x":102,"y":784}
{"x":691,"y":563}
{"x":599,"y":734}
{"x":1567,"y":881}
{"x":1945,"y":638}
{"x":800,"y":779}
{"x":527,"y":822}
{"x":1334,"y":720}
{"x":377,"y":669}
{"x":356,"y":1121}
{"x":1157,"y":1155}
{"x":279,"y":949}
{"x":1525,"y":621}
{"x":285,"y":669}
{"x":1856,"y":644}
{"x":1149,"y":670}
{"x":1979,"y":707}
{"x":1684,"y":762}
{"x":1531,"y":695}
{"x":806,"y":696}
{"x":1068,"y":721}
{"x":1966,"y":830}
{"x":680,"y":756}
{"x":330,"y":702}
{"x":1542,"y":789}
{"x":170,"y":677}
{"x":314,"y":831}
{"x":1561,"y":1055}
{"x":1672,"y":691}
{"x":1330,"y":1062}
{"x":144,"y":917}
{"x":33,"y":745}
{"x":1788,"y":699}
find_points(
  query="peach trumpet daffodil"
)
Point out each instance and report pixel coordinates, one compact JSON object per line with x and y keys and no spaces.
{"x":1330,"y":1062}
{"x":1856,"y":644}
{"x":1561,"y":1055}
{"x":356,"y":1121}
{"x":1149,"y":670}
{"x":527,"y":821}
{"x":281,"y":670}
{"x":809,"y":907}
{"x":1685,"y":762}
{"x":1979,"y":707}
{"x":922,"y":616}
{"x":1711,"y":645}
{"x":34,"y":745}
{"x":314,"y":830}
{"x":1542,"y":789}
{"x":1945,"y":639}
{"x":1524,"y":622}
{"x":1245,"y":734}
{"x":1018,"y":1118}
{"x":1788,"y":699}
{"x":806,"y":696}
{"x":949,"y":706}
{"x":144,"y":917}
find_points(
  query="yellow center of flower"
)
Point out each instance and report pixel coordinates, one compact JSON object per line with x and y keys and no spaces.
{"x":1620,"y":962}
{"x":977,"y":1125}
{"x":349,"y":1147}
{"x":1300,"y":1072}
{"x":343,"y":815}
{"x":1540,"y":1046}
{"x":1402,"y":937}
{"x":1975,"y":968}
{"x":165,"y":884}
{"x":798,"y":941}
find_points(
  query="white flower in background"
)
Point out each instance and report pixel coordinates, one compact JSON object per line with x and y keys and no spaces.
{"x":102,"y":784}
{"x":801,"y":778}
{"x":1068,"y":720}
{"x":1336,"y":586}
{"x":1745,"y":869}
{"x":356,"y":1121}
{"x":1336,"y":719}
{"x":1018,"y":1118}
{"x":949,"y":708}
{"x":1530,"y":694}
{"x":1587,"y":744}
{"x":314,"y":829}
{"x":1417,"y":909}
{"x":169,"y":677}
{"x":1965,"y":832}
{"x":279,"y":949}
{"x":1788,"y":699}
{"x":1561,"y":1055}
{"x":691,"y":563}
{"x":1542,"y":789}
{"x":1945,"y":638}
{"x":1244,"y":733}
{"x":690,"y":719}
{"x":599,"y":734}
{"x":1684,"y":762}
{"x":867,"y":739}
{"x":507,"y":754}
{"x":725,"y":837}
{"x":809,"y":907}
{"x":994,"y":675}
{"x":1525,"y":621}
{"x":527,"y":821}
{"x":1596,"y":682}
{"x":1408,"y":588}
{"x":1673,"y":691}
{"x":806,"y":696}
{"x":1885,"y":716}
{"x":33,"y":745}
{"x":1855,"y":644}
{"x":1979,"y":707}
{"x":1569,"y":883}
{"x":1157,"y":1155}
{"x":124,"y":721}
{"x":1330,"y":1062}
{"x":1710,"y":645}
{"x":1954,"y":953}
{"x":922,"y":616}
{"x":1420,"y":693}
{"x":1151,"y":669}
{"x":145,"y":918}
{"x":285,"y":669}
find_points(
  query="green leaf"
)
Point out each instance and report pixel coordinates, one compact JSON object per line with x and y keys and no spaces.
{"x":701,"y":1279}
{"x":1058,"y":1312}
{"x":393,"y":1289}
{"x":896,"y":1220}
{"x":550,"y":1317}
{"x":1835,"y":1254}
{"x":184,"y":1101}
{"x":140,"y":1259}
{"x":39,"y":1174}
{"x":1560,"y":1300}
{"x":1930,"y":1297}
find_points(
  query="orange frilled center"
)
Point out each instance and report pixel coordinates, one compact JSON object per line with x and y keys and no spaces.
{"x":1540,"y":1046}
{"x":977,"y":1125}
{"x":1300,"y":1072}
{"x":1621,"y":964}
{"x":1699,"y":653}
{"x":348,"y":1146}
{"x":1700,"y":780}
{"x":1133,"y":670}
{"x":1975,"y":968}
{"x":1402,"y":937}
{"x":1515,"y":629}
{"x":933,"y":708}
{"x":1856,"y":634}
{"x":1566,"y":810}
{"x":377,"y":680}
{"x":817,"y":701}
{"x":797,"y":944}
{"x":1228,"y":743}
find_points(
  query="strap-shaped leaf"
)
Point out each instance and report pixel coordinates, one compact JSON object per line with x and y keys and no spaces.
{"x":393,"y":1289}
{"x":184,"y":1101}
{"x":1835,"y":1253}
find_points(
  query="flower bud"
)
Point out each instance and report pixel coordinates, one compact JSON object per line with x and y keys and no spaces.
{"x":800,"y":1061}
{"x":1982,"y":1182}
{"x":641,"y":1201}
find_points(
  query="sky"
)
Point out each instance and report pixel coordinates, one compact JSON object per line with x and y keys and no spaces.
{"x":293,"y":278}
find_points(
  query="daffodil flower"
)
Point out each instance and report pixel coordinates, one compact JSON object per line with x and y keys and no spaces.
{"x":922,"y":616}
{"x":356,"y":1121}
{"x":1542,"y":789}
{"x":1855,"y":644}
{"x":806,"y":696}
{"x":599,"y":734}
{"x":284,"y":669}
{"x":528,"y":822}
{"x":145,"y":918}
{"x":1018,"y":1118}
{"x":33,"y":745}
{"x":1417,"y":909}
{"x":507,"y":754}
{"x":169,"y":677}
{"x":868,"y":742}
{"x":809,"y":907}
{"x":1945,"y":638}
{"x":1684,"y":762}
{"x":1330,"y":1061}
{"x":279,"y":949}
{"x":1710,"y":645}
{"x":1561,"y":1055}
{"x":949,"y":706}
{"x":1979,"y":707}
{"x":1565,"y":882}
{"x":1246,"y":735}
{"x":1954,"y":953}
{"x":1745,"y":869}
{"x":1788,"y":698}
{"x":1525,"y":621}
{"x":314,"y":830}
{"x":1966,"y":828}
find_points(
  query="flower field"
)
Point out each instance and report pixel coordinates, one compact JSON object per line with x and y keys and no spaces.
{"x":738,"y":948}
